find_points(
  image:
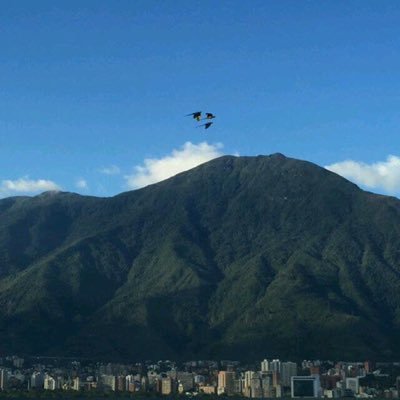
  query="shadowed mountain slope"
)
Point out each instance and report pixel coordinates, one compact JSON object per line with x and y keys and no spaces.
{"x":241,"y":257}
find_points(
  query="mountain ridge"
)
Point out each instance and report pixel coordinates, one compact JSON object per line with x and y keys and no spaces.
{"x":239,"y":257}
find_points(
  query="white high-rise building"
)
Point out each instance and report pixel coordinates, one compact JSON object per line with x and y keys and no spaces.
{"x":265,"y":365}
{"x":275,"y":366}
{"x":49,"y":383}
{"x":76,"y":384}
{"x":248,"y":376}
{"x":3,"y":379}
{"x":129,"y":380}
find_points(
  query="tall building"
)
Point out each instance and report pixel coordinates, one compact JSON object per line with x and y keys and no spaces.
{"x":265,"y":365}
{"x":76,"y":384}
{"x":144,"y":383}
{"x":276,"y":378}
{"x":120,"y":383}
{"x":3,"y":379}
{"x":275,"y":366}
{"x":369,"y":366}
{"x":226,"y":382}
{"x":166,"y":385}
{"x":129,"y":379}
{"x":256,"y":387}
{"x":266,"y":380}
{"x":49,"y":383}
{"x":18,"y":362}
{"x":186,"y":379}
{"x":238,"y":387}
{"x":248,"y":376}
{"x":288,"y":369}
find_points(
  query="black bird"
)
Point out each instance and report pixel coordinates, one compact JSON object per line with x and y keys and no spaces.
{"x":196,"y":115}
{"x":206,"y":125}
{"x":210,"y":116}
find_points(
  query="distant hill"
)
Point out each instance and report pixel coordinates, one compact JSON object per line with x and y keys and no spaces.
{"x":241,"y":257}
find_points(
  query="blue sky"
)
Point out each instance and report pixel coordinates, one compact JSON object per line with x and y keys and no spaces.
{"x":93,"y":93}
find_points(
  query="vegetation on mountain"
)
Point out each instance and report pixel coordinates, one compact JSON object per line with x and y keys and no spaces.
{"x":241,"y":257}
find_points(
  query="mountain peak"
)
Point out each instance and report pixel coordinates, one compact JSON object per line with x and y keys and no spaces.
{"x":265,"y":254}
{"x":278,"y":156}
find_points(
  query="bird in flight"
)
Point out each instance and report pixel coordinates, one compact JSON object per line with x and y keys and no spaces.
{"x":210,"y":116}
{"x":196,"y":115}
{"x":206,"y":125}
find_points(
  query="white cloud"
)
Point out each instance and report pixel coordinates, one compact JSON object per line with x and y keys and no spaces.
{"x":81,"y":184}
{"x":188,"y":156}
{"x":26,"y":185}
{"x":111,"y":170}
{"x":382,"y":174}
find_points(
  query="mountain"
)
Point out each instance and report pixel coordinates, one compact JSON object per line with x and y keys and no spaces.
{"x":241,"y":257}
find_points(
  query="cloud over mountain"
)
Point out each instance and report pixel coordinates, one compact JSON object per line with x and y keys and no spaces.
{"x":25,"y":185}
{"x":188,"y":156}
{"x":382,"y":174}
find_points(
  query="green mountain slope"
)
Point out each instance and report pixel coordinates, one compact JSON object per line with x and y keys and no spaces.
{"x":240,"y":257}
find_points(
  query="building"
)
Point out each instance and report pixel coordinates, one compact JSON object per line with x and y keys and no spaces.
{"x":266,"y":380}
{"x":265,"y":366}
{"x":199,"y":379}
{"x":37,"y":380}
{"x":109,"y":382}
{"x":238,"y":386}
{"x":3,"y":379}
{"x":120,"y":383}
{"x":166,"y":385}
{"x":59,"y":382}
{"x":275,"y":366}
{"x":328,"y":382}
{"x":276,"y":378}
{"x":76,"y":384}
{"x":353,"y":384}
{"x":248,"y":376}
{"x":18,"y":362}
{"x":226,"y":382}
{"x":288,"y":369}
{"x":208,"y":389}
{"x":256,"y":390}
{"x":49,"y":383}
{"x":186,"y":380}
{"x":305,"y":386}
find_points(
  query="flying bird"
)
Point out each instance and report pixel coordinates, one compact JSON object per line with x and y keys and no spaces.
{"x":206,"y":125}
{"x":210,"y":116}
{"x":196,"y":115}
